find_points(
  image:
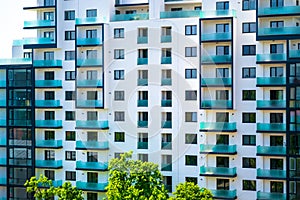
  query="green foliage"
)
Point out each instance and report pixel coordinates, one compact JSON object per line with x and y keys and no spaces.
{"x":43,"y":188}
{"x":190,"y":191}
{"x":134,"y":179}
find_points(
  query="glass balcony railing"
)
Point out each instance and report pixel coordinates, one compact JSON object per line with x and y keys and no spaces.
{"x":91,"y":124}
{"x":180,"y":14}
{"x":142,"y":39}
{"x":88,"y":62}
{"x":218,"y":126}
{"x":270,"y":81}
{"x":294,"y":54}
{"x":166,"y":60}
{"x":142,"y":145}
{"x":216,"y":82}
{"x":3,"y":181}
{"x":47,"y":63}
{"x":39,"y":23}
{"x":166,"y":81}
{"x":89,"y":103}
{"x":89,"y":83}
{"x":285,"y":10}
{"x":47,"y":103}
{"x":165,"y":38}
{"x":274,"y":57}
{"x":2,"y":161}
{"x":3,"y":141}
{"x":218,"y":171}
{"x":95,"y":145}
{"x":142,"y":103}
{"x":270,"y":104}
{"x":166,"y":167}
{"x":48,"y":144}
{"x":2,"y":122}
{"x":270,"y":127}
{"x":88,"y":20}
{"x":37,"y":41}
{"x":2,"y":84}
{"x":91,"y":186}
{"x":218,"y":13}
{"x":278,"y":31}
{"x":94,"y":166}
{"x":294,"y":104}
{"x":2,"y":103}
{"x":88,"y":41}
{"x":216,"y":37}
{"x":224,"y":194}
{"x":218,"y":149}
{"x":166,"y":103}
{"x":270,"y":195}
{"x":271,"y":150}
{"x":142,"y":61}
{"x":270,"y":173}
{"x":166,"y":124}
{"x":48,"y":83}
{"x":142,"y":82}
{"x":130,"y":17}
{"x":216,"y":104}
{"x":48,"y":123}
{"x":166,"y":145}
{"x":52,"y":164}
{"x":142,"y":124}
{"x":16,"y":61}
{"x":20,"y":122}
{"x":216,"y":59}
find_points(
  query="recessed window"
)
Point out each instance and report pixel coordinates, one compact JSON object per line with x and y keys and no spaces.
{"x":70,"y":135}
{"x":191,"y":73}
{"x":249,"y":95}
{"x":70,"y":15}
{"x":119,"y":116}
{"x":143,"y":157}
{"x":91,"y":13}
{"x":69,"y":55}
{"x":70,"y":176}
{"x":249,"y":117}
{"x":119,"y":54}
{"x":119,"y":95}
{"x":249,"y":162}
{"x":70,"y":95}
{"x":190,"y":51}
{"x":192,"y":180}
{"x":249,"y":140}
{"x":119,"y":75}
{"x":71,"y":155}
{"x":191,"y":160}
{"x":249,"y":50}
{"x":190,"y":138}
{"x":190,"y":30}
{"x":249,"y":27}
{"x":190,"y":95}
{"x":249,"y":185}
{"x":191,"y":116}
{"x":222,"y":5}
{"x":249,"y":4}
{"x":70,"y":115}
{"x":249,"y":72}
{"x":70,"y":75}
{"x":49,"y":95}
{"x":119,"y":137}
{"x":119,"y":33}
{"x":69,"y":35}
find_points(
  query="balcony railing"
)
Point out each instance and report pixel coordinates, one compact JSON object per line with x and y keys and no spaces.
{"x":224,"y":194}
{"x":270,"y":104}
{"x":166,"y":167}
{"x":218,"y":171}
{"x":274,"y":57}
{"x":166,"y":124}
{"x":47,"y":63}
{"x":216,"y":104}
{"x":217,"y":149}
{"x":88,"y":20}
{"x":270,"y":81}
{"x":130,"y":17}
{"x":166,"y":81}
{"x":294,"y":54}
{"x":210,"y":82}
{"x":270,"y":174}
{"x":142,"y":39}
{"x":93,"y":145}
{"x":142,"y":145}
{"x":91,"y":124}
{"x":142,"y":82}
{"x":216,"y":37}
{"x":2,"y":161}
{"x":16,"y":61}
{"x":142,"y":124}
{"x":218,"y":126}
{"x":48,"y":83}
{"x":49,"y":144}
{"x":48,"y":123}
{"x":165,"y":38}
{"x":2,"y":122}
{"x":270,"y":150}
{"x":166,"y":60}
{"x":180,"y":14}
{"x":20,"y":122}
{"x":218,"y":13}
{"x":166,"y":145}
{"x":142,"y":103}
{"x":216,"y":59}
{"x":52,"y":164}
{"x":2,"y":103}
{"x":89,"y":103}
{"x":93,"y":166}
{"x":270,"y":195}
{"x":89,"y":83}
{"x":286,"y":10}
{"x":278,"y":31}
{"x":39,"y":24}
{"x":2,"y":83}
{"x":88,"y":62}
{"x":47,"y":103}
{"x":166,"y":103}
{"x":88,"y":41}
{"x":270,"y":127}
{"x":91,"y":186}
{"x":37,"y":41}
{"x":142,"y":61}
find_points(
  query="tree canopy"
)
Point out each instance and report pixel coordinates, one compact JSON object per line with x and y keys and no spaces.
{"x":190,"y":191}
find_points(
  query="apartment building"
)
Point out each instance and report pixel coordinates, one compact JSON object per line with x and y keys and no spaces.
{"x":206,"y":89}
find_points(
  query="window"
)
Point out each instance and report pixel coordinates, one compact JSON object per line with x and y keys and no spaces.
{"x":119,"y":95}
{"x":91,"y":33}
{"x":49,"y":115}
{"x":70,"y":176}
{"x":91,"y":95}
{"x":69,"y":55}
{"x":49,"y":55}
{"x":49,"y":16}
{"x":119,"y":75}
{"x":92,"y":115}
{"x":249,"y":117}
{"x":167,"y":181}
{"x":249,"y":72}
{"x":222,"y":50}
{"x":249,"y":162}
{"x":192,"y":180}
{"x":49,"y":95}
{"x":166,"y":32}
{"x":276,"y":24}
{"x":166,"y":141}
{"x":49,"y":155}
{"x":222,"y":184}
{"x":91,"y":13}
{"x":70,"y":95}
{"x":143,"y":157}
{"x":276,"y":72}
{"x":190,"y":138}
{"x":176,"y":9}
{"x":222,"y":139}
{"x":190,"y":95}
{"x":222,"y":94}
{"x":119,"y":33}
{"x":119,"y":54}
{"x":276,"y":163}
{"x":222,"y":28}
{"x":92,"y":196}
{"x":276,"y":94}
{"x":190,"y":51}
{"x":276,"y":187}
{"x":70,"y":135}
{"x":70,"y":75}
{"x":249,"y":185}
{"x":27,"y":55}
{"x":91,"y":54}
{"x":69,"y":35}
{"x":92,"y":136}
{"x":276,"y":117}
{"x":249,"y":140}
{"x":142,"y":53}
{"x":191,"y":73}
{"x":249,"y":27}
{"x":92,"y":177}
{"x":119,"y":137}
{"x":69,"y":14}
{"x":222,"y":72}
{"x":190,"y":160}
{"x":166,"y":162}
{"x":223,"y":5}
{"x":70,"y":155}
{"x":276,"y":48}
{"x":191,"y":116}
{"x":249,"y":50}
{"x":49,"y":75}
{"x":276,"y":3}
{"x":50,"y":174}
{"x":191,"y":30}
{"x":249,"y":95}
{"x":119,"y":116}
{"x":118,"y":155}
{"x":70,"y":115}
{"x":49,"y":135}
{"x":222,"y":161}
{"x":276,"y":140}
{"x":142,"y":141}
{"x":92,"y":156}
{"x":49,"y":34}
{"x":249,"y":4}
{"x":222,"y":117}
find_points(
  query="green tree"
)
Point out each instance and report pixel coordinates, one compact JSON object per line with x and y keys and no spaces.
{"x":134,"y":180}
{"x":190,"y":191}
{"x":42,"y":188}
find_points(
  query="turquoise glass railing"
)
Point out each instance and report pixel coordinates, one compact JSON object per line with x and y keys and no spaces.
{"x":92,"y":124}
{"x":224,"y":194}
{"x":89,"y":83}
{"x":142,"y":82}
{"x":130,"y":17}
{"x":39,"y":23}
{"x":48,"y":123}
{"x":270,"y":127}
{"x":166,"y":167}
{"x":216,"y":81}
{"x":180,"y":14}
{"x":101,"y":166}
{"x":270,"y":195}
{"x":272,"y":104}
{"x":48,"y":83}
{"x":278,"y":31}
{"x":271,"y":173}
{"x":166,"y":81}
{"x":142,"y":124}
{"x":217,"y":171}
{"x":89,"y":62}
{"x":88,"y":41}
{"x":47,"y":103}
{"x":217,"y":126}
{"x":142,"y":40}
{"x":218,"y":13}
{"x":166,"y":145}
{"x":216,"y":36}
{"x":92,"y":145}
{"x":270,"y":81}
{"x":294,"y":54}
{"x":166,"y":103}
{"x":286,"y":10}
{"x":48,"y":164}
{"x":91,"y":186}
{"x":48,"y":143}
{"x":270,"y":57}
{"x":89,"y":103}
{"x":88,"y":20}
{"x":16,"y":61}
{"x":47,"y":63}
{"x":215,"y":59}
{"x":165,"y":38}
{"x":271,"y":150}
{"x":166,"y":124}
{"x":166,"y":60}
{"x":218,"y":149}
{"x":142,"y":61}
{"x":142,"y":103}
{"x":142,"y":145}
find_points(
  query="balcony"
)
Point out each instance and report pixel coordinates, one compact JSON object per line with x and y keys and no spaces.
{"x":212,"y":37}
{"x":166,"y":145}
{"x":216,"y":82}
{"x":48,"y":123}
{"x":166,"y":81}
{"x":142,"y":39}
{"x":3,"y":142}
{"x":51,"y":144}
{"x":47,"y":104}
{"x":142,"y":124}
{"x":15,"y":61}
{"x":92,"y":145}
{"x":218,"y":171}
{"x":87,"y":186}
{"x":166,"y":167}
{"x":88,"y":41}
{"x":142,"y":145}
{"x":47,"y":63}
{"x":130,"y":17}
{"x":224,"y":194}
{"x":48,"y":84}
{"x":279,"y":57}
{"x":165,"y":38}
{"x":40,"y":4}
{"x":20,"y":122}
{"x":286,"y":10}
{"x":2,"y":103}
{"x":270,"y":195}
{"x":2,"y":161}
{"x":142,"y":61}
{"x":49,"y":164}
{"x":89,"y":103}
{"x":39,"y":24}
{"x":271,"y":127}
{"x":2,"y":83}
{"x":216,"y":59}
{"x":294,"y":54}
{"x":284,"y":31}
{"x":218,"y":126}
{"x":218,"y":149}
{"x":2,"y":123}
{"x":166,"y":124}
{"x":91,"y":124}
{"x":142,"y":82}
{"x":91,"y":166}
{"x":270,"y":174}
{"x":38,"y":41}
{"x":270,"y":151}
{"x":270,"y":104}
{"x":216,"y":104}
{"x":142,"y":103}
{"x":270,"y":81}
{"x":166,"y":103}
{"x":89,"y":83}
{"x":3,"y":181}
{"x":88,"y":20}
{"x":88,"y":62}
{"x":180,"y":14}
{"x":166,"y":60}
{"x":218,"y":14}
